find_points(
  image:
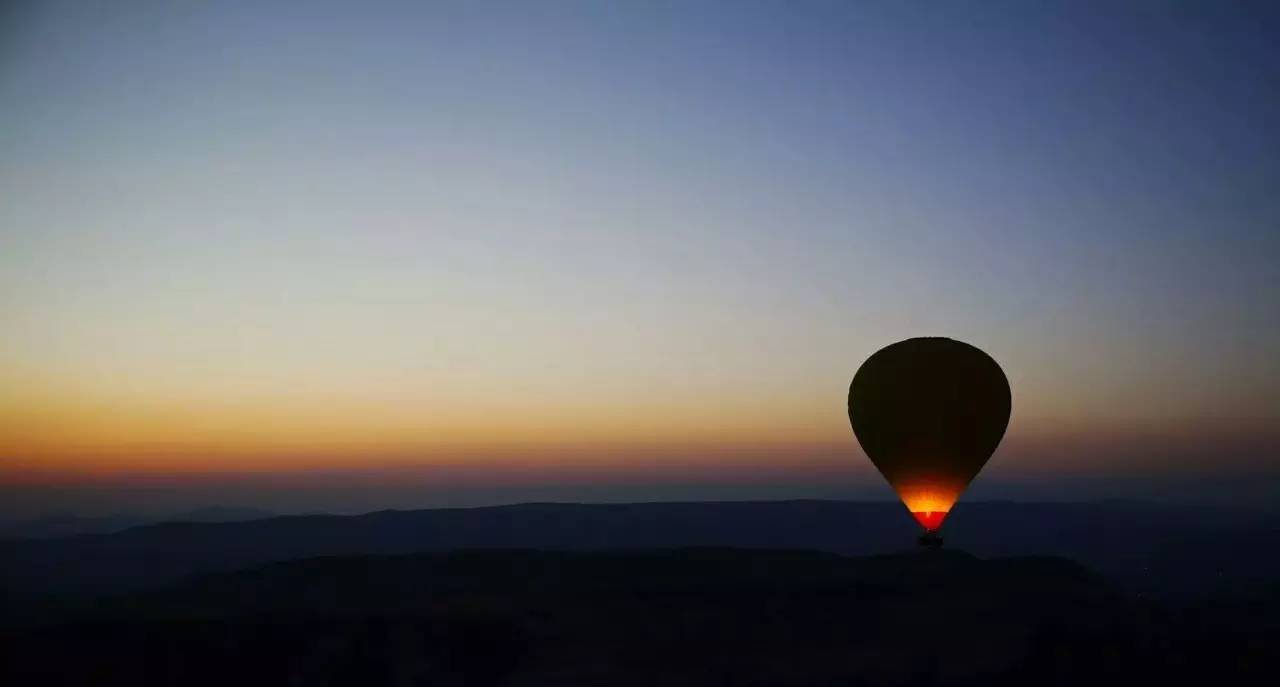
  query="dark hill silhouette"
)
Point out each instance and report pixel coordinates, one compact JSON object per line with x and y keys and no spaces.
{"x":373,"y":584}
{"x":670,"y":617}
{"x":1149,"y":547}
{"x":70,"y":524}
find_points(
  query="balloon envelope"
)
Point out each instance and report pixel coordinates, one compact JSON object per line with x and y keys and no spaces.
{"x":929,"y":412}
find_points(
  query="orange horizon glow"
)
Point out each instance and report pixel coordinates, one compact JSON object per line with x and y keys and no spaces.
{"x":87,"y":423}
{"x":64,"y":442}
{"x":72,"y":411}
{"x":133,"y":432}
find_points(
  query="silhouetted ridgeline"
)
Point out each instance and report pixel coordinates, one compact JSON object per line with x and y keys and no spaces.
{"x":67,"y":524}
{"x":1148,"y":547}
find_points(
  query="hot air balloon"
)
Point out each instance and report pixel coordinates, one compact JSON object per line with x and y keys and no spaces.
{"x":929,"y":412}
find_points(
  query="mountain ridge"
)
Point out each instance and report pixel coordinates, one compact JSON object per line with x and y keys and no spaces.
{"x":1159,"y":548}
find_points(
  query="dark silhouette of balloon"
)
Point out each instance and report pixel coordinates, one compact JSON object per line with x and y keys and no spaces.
{"x":929,"y":412}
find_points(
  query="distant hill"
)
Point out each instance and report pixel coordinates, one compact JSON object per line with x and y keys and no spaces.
{"x":69,"y":524}
{"x":665,"y":617}
{"x":1152,"y":548}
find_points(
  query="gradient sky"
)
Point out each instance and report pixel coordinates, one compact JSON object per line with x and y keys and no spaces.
{"x":350,"y":255}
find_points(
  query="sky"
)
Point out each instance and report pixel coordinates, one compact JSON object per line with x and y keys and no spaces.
{"x":344,"y":256}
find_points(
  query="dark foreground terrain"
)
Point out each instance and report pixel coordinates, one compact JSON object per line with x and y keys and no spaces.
{"x":667,"y":617}
{"x":766,"y":593}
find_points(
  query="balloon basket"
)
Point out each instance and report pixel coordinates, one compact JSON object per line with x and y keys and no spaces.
{"x":930,"y":541}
